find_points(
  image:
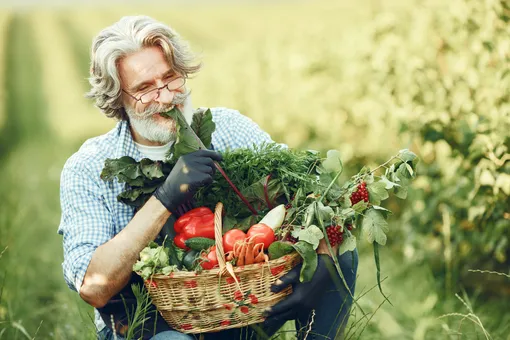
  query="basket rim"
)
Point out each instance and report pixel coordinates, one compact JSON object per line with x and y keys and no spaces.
{"x":215,"y":271}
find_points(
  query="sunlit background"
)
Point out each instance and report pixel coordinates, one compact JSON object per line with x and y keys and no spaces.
{"x":366,"y":77}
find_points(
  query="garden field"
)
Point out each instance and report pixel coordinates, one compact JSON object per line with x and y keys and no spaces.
{"x":367,"y":78}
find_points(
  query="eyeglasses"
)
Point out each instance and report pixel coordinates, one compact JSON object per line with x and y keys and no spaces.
{"x":149,"y":96}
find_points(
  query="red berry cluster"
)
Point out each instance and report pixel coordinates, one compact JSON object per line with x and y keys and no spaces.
{"x":335,"y":235}
{"x":361,"y":194}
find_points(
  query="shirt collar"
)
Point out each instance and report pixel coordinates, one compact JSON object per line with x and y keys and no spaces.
{"x":126,"y":147}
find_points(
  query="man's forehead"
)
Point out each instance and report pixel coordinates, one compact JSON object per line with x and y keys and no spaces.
{"x":143,"y":66}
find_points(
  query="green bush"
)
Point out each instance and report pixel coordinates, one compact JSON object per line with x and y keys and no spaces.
{"x":449,"y":72}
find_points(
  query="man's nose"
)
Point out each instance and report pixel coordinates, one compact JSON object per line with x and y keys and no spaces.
{"x":165,"y":96}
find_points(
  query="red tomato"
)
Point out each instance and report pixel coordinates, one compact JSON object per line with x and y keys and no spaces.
{"x":179,"y":241}
{"x":231,"y":237}
{"x":211,"y":260}
{"x":261,"y":233}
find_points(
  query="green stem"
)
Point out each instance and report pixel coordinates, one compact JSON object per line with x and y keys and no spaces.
{"x":385,"y":163}
{"x":335,"y":260}
{"x":330,"y":186}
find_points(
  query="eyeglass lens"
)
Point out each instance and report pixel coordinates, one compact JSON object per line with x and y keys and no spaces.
{"x":153,"y":94}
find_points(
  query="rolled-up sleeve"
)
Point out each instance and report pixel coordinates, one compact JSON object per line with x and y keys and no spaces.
{"x":86,"y":221}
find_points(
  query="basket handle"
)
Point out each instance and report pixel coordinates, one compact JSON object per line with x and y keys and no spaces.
{"x":220,"y":253}
{"x":218,"y":237}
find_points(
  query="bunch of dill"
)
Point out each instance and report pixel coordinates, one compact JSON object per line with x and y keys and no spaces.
{"x":249,"y":168}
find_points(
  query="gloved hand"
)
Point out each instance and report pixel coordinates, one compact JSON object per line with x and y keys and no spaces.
{"x":191,"y":172}
{"x":305,"y":295}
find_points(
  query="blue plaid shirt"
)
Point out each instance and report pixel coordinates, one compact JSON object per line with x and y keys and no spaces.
{"x":91,"y":214}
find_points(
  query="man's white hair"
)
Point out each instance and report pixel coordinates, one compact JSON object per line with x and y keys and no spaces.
{"x":131,"y":34}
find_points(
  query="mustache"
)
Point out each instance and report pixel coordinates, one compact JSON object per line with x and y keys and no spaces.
{"x":152,"y":109}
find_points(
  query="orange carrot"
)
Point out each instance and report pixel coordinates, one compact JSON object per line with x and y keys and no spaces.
{"x":259,"y":258}
{"x":237,"y":249}
{"x":259,"y":253}
{"x":242,"y":254}
{"x":248,"y":258}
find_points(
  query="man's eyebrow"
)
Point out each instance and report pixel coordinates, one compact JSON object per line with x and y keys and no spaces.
{"x":148,"y":82}
{"x":135,"y":87}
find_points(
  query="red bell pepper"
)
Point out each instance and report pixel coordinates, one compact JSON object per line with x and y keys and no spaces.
{"x":198,"y":222}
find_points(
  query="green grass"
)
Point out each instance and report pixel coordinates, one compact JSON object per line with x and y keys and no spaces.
{"x":34,"y":300}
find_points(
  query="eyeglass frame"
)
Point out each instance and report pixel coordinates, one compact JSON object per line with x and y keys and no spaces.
{"x":158,"y":89}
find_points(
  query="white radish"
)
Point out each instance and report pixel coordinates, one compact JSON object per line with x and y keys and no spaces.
{"x":274,"y":218}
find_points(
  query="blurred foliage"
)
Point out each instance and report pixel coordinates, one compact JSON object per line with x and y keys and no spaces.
{"x":450,"y":71}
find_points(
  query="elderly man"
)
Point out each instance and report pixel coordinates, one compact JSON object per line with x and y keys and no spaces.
{"x":139,"y":69}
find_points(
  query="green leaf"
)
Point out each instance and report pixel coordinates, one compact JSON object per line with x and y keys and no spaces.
{"x":185,"y":142}
{"x":403,"y":174}
{"x":146,"y":272}
{"x":410,"y":169}
{"x":334,"y":189}
{"x":384,"y":211}
{"x":347,"y":213}
{"x":134,"y":198}
{"x":333,"y":162}
{"x":310,"y":213}
{"x":375,"y":226}
{"x":228,"y":223}
{"x":378,"y":266}
{"x":324,"y":213}
{"x":203,"y":126}
{"x":345,"y":201}
{"x":348,"y":244}
{"x":296,"y":230}
{"x":309,"y":256}
{"x":256,"y":191}
{"x":377,"y":192}
{"x":168,"y":269}
{"x":172,"y":251}
{"x":278,"y":249}
{"x":151,"y":169}
{"x":138,"y":266}
{"x":246,"y":223}
{"x":312,"y":235}
{"x":408,"y":156}
{"x":173,"y":113}
{"x":360,"y":207}
{"x":388,"y":184}
{"x":112,"y":167}
{"x":401,"y":192}
{"x":125,"y":169}
{"x":188,"y":140}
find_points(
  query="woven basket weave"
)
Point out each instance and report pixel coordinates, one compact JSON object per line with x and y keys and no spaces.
{"x":213,"y":300}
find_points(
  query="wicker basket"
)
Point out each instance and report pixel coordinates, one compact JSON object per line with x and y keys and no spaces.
{"x":214,"y":300}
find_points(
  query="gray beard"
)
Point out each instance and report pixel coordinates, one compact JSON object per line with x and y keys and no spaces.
{"x":156,"y":132}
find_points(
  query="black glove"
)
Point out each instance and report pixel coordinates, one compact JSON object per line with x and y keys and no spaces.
{"x":191,"y":172}
{"x":305,"y":295}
